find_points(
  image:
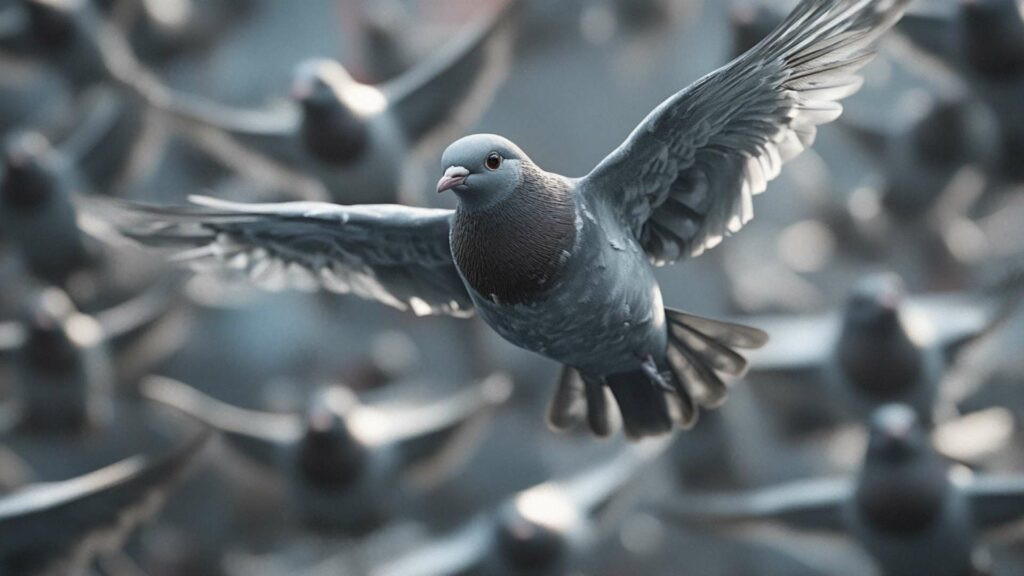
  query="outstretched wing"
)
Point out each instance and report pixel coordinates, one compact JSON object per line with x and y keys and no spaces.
{"x":57,"y":527}
{"x":443,"y":97}
{"x":809,"y":505}
{"x":686,"y":175}
{"x":396,"y":255}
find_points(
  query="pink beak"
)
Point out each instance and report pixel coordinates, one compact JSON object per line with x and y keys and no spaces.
{"x":453,"y":176}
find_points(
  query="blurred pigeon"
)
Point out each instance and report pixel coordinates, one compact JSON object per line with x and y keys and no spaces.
{"x":58,"y":527}
{"x":60,"y":245}
{"x":921,"y":158}
{"x":983,"y":42}
{"x":348,"y":465}
{"x":883,"y":347}
{"x":546,"y":529}
{"x":907,"y":508}
{"x":537,"y":253}
{"x":355,"y":138}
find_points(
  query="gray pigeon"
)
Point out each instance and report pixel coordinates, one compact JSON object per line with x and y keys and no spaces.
{"x":544,"y":530}
{"x":910,"y":511}
{"x":356,"y":139}
{"x":564,"y":266}
{"x":58,"y":527}
{"x":883,"y":347}
{"x":349,"y":467}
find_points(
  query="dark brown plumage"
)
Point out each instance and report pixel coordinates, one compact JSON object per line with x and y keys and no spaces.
{"x":511,"y":252}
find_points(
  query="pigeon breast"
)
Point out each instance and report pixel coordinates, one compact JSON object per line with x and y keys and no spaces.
{"x":513,"y":251}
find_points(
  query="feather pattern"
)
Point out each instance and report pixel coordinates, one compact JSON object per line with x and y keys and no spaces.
{"x":392,"y":254}
{"x":685,"y":177}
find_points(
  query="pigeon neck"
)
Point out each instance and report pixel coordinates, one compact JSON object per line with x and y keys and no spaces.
{"x":879,"y":360}
{"x":512,"y":251}
{"x":334,"y":133}
{"x":331,"y":459}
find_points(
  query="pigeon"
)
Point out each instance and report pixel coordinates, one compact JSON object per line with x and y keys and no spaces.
{"x":358,"y":139}
{"x":883,"y":347}
{"x":907,"y":507}
{"x":983,"y":42}
{"x":565,"y":267}
{"x":544,"y":530}
{"x":920,"y":159}
{"x":59,"y":527}
{"x":349,"y":467}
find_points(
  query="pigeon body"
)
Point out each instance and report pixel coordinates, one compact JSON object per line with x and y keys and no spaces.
{"x":906,"y":507}
{"x":561,"y":266}
{"x":883,"y":347}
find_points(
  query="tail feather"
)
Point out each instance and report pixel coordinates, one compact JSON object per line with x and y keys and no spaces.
{"x":568,"y":406}
{"x":727,"y":333}
{"x":644,"y":406}
{"x":599,"y":413}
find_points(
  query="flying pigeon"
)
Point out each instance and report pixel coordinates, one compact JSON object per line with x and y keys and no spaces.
{"x":911,"y":512}
{"x":543,"y":530}
{"x":883,"y":347}
{"x":348,"y":465}
{"x":564,"y":266}
{"x":983,"y":42}
{"x":58,"y":527}
{"x":355,"y":138}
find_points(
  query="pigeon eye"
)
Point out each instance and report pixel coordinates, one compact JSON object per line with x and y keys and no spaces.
{"x":493,"y":161}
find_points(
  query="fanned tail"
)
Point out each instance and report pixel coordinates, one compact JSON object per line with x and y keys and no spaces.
{"x":702,"y":354}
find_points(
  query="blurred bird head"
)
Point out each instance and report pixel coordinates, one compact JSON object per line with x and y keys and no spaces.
{"x":322,"y":85}
{"x":527,"y":540}
{"x":482,"y":169}
{"x":330,"y":456}
{"x":875,"y":302}
{"x":896,"y":434}
{"x":28,"y":177}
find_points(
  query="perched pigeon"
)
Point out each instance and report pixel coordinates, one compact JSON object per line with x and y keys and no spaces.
{"x":563,"y":266}
{"x":543,"y":530}
{"x":907,"y":508}
{"x":349,"y":466}
{"x":58,"y":527}
{"x":355,"y":138}
{"x":983,"y":42}
{"x":883,"y":347}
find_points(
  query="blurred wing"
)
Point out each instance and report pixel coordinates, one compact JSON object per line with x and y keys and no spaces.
{"x":954,"y":321}
{"x":685,"y":177}
{"x":798,"y":344}
{"x":810,"y":505}
{"x":454,"y":554}
{"x":59,"y":526}
{"x":395,"y":255}
{"x":260,"y":435}
{"x":996,"y":500}
{"x":442,"y":98}
{"x":593,"y":489}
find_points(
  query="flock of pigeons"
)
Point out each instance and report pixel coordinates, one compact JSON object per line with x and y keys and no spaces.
{"x":164,"y":422}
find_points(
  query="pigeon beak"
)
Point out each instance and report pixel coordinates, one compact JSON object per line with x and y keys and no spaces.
{"x":453,"y":176}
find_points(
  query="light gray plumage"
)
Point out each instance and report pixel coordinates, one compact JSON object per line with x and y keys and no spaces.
{"x":362,"y":141}
{"x":348,"y":466}
{"x":545,"y":530}
{"x":58,"y":527}
{"x":562,"y":266}
{"x":884,"y":347}
{"x":911,"y":511}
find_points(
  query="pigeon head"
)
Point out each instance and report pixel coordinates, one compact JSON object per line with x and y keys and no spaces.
{"x":896,"y":434}
{"x":50,"y":344}
{"x":330,"y":456}
{"x":334,"y":110}
{"x":875,"y":302}
{"x":482,"y":169}
{"x":28,"y":174}
{"x":532,"y":529}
